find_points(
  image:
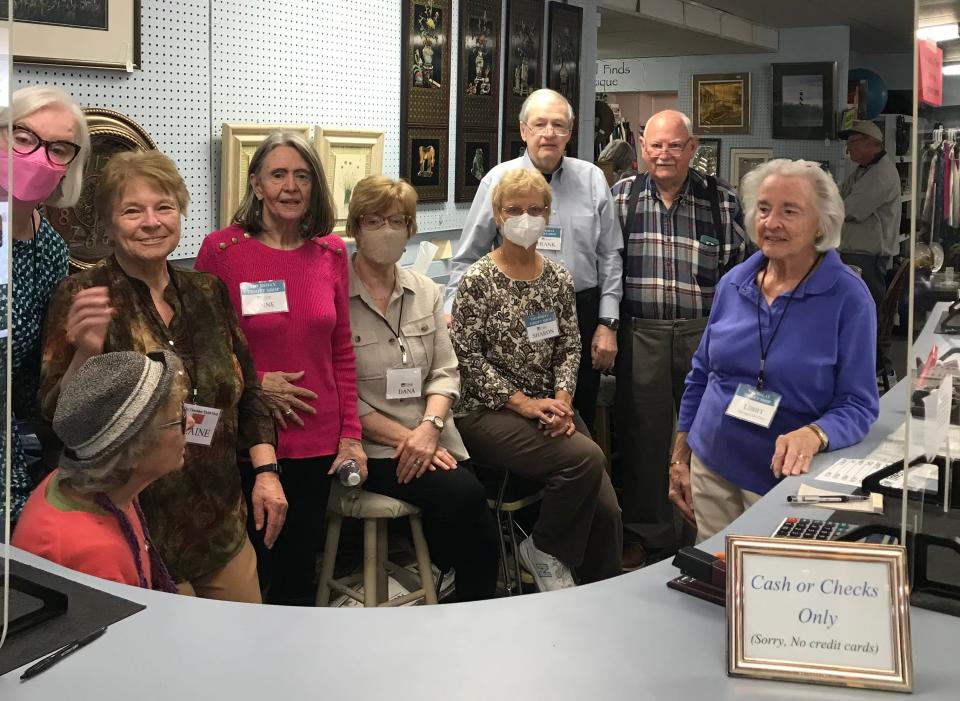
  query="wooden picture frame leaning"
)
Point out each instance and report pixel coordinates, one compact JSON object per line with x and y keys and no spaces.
{"x":347,"y":156}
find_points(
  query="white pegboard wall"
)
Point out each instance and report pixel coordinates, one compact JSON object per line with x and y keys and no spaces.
{"x":169,"y":97}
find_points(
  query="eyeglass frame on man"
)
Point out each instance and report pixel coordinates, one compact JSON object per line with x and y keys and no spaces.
{"x":542,"y":130}
{"x":672,"y":149}
{"x":534,"y":210}
{"x":394,"y":219}
{"x":45,"y":144}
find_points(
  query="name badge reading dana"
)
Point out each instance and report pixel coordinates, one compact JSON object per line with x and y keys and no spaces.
{"x":541,"y":326}
{"x":265,"y":297}
{"x":205,"y":420}
{"x":754,"y":405}
{"x":404,"y":383}
{"x":551,"y":239}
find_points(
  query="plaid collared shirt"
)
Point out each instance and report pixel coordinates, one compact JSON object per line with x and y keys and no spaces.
{"x":673,"y":257}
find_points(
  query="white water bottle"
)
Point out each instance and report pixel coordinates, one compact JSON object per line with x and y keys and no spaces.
{"x":349,"y":473}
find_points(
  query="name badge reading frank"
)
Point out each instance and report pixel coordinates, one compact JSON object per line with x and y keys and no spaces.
{"x":542,"y":326}
{"x":265,"y":297}
{"x":754,"y":405}
{"x":205,"y":420}
{"x":551,"y":240}
{"x":404,"y":383}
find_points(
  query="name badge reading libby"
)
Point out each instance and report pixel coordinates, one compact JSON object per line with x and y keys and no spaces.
{"x":404,"y":383}
{"x":205,"y":420}
{"x":551,"y":239}
{"x":264,"y":297}
{"x":754,"y":405}
{"x":541,"y":326}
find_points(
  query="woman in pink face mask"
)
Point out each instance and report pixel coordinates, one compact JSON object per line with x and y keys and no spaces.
{"x":49,"y":147}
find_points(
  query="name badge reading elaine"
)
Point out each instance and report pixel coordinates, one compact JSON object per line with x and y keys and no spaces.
{"x":205,"y":420}
{"x":754,"y":405}
{"x":551,"y":240}
{"x":404,"y":383}
{"x":265,"y":297}
{"x":541,"y":326}
{"x":818,"y":612}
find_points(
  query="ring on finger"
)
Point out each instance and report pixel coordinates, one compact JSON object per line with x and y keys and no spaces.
{"x":801,"y":456}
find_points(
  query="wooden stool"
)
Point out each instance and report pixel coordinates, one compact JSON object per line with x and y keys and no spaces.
{"x":375,"y":510}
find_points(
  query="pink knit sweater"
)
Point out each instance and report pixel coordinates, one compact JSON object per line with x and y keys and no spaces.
{"x":314,"y":336}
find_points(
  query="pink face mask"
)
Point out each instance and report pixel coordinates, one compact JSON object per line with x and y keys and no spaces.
{"x":34,"y":177}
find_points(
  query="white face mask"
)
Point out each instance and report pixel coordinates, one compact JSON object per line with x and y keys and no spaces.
{"x":384,"y":246}
{"x":524,"y":230}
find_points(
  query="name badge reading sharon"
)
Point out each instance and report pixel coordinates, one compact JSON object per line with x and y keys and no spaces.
{"x":551,"y":240}
{"x":205,"y":420}
{"x":404,"y":383}
{"x":542,"y":326}
{"x":264,"y":297}
{"x":754,"y":405}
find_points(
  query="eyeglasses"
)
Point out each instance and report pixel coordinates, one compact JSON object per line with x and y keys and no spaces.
{"x":60,"y":153}
{"x":674,"y":149}
{"x":375,"y":221}
{"x":546,"y":128}
{"x":534,"y":210}
{"x":182,"y":421}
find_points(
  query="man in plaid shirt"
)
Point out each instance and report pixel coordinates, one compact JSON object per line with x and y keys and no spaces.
{"x":686,"y":232}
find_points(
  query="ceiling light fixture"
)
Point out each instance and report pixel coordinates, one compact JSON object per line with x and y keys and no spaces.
{"x":939,"y":32}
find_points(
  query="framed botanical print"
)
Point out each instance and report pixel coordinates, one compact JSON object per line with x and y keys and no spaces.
{"x":89,"y":33}
{"x":743,"y":160}
{"x":239,"y":142}
{"x":706,"y":159}
{"x":721,"y":103}
{"x":425,"y":59}
{"x":563,"y":57}
{"x":424,"y":162}
{"x":522,"y":71}
{"x":347,"y":156}
{"x":803,"y":100}
{"x":476,"y":154}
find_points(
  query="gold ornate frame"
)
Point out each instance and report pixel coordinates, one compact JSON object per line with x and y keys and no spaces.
{"x":348,"y":156}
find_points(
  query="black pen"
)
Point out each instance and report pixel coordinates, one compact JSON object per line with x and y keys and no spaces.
{"x":68,"y":649}
{"x":826,"y":499}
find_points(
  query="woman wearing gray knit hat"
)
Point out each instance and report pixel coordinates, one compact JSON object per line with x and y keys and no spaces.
{"x":116,"y":419}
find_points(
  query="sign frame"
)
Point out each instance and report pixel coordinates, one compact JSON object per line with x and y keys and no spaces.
{"x":899,"y":677}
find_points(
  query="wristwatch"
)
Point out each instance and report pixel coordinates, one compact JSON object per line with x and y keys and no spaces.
{"x":269,"y":467}
{"x":612,"y":324}
{"x":821,"y":434}
{"x":435,"y":420}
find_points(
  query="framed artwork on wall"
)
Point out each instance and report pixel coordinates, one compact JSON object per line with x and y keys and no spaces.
{"x":92,"y":33}
{"x":476,"y":154}
{"x":239,"y":142}
{"x":347,"y":156}
{"x":478,"y":88}
{"x":426,"y":75}
{"x":424,"y":162}
{"x":523,"y":73}
{"x":743,"y":160}
{"x":563,"y":57}
{"x":706,"y":159}
{"x":803,"y":100}
{"x":721,"y":103}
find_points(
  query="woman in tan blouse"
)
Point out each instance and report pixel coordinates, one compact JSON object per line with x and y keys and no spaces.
{"x":407,"y":380}
{"x":515,"y":332}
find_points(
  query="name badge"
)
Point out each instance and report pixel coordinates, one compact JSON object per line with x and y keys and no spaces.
{"x":404,"y":383}
{"x":551,"y":239}
{"x":205,"y":420}
{"x":754,"y":405}
{"x":265,"y":297}
{"x":541,"y":326}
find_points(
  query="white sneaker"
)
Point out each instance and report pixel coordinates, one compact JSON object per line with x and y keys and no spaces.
{"x":548,"y":572}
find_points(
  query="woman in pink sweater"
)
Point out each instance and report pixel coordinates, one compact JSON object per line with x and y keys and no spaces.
{"x":288,"y":279}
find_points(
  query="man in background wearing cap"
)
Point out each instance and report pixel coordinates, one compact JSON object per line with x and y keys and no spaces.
{"x":871,"y":195}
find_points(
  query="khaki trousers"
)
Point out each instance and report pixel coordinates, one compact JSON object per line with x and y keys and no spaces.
{"x":235,"y":581}
{"x":717,"y":502}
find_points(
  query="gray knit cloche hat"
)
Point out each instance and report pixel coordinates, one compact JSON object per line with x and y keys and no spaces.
{"x":108,"y":402}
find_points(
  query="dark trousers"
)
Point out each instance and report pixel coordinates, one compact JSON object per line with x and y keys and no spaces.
{"x":579,"y":519}
{"x":588,"y":379}
{"x":873,"y":271}
{"x":652,"y":362}
{"x":460,"y":529}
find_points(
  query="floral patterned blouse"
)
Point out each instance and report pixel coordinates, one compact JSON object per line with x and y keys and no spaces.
{"x":489,"y":333}
{"x":38,"y":265}
{"x":196,"y":515}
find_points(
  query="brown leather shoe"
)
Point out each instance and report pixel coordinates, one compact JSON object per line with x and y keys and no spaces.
{"x":634,"y":557}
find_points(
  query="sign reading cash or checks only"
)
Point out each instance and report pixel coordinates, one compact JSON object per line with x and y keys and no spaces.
{"x":821,"y":612}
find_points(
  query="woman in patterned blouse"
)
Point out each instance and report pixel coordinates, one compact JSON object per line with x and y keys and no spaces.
{"x":50,"y":147}
{"x":515,"y":333}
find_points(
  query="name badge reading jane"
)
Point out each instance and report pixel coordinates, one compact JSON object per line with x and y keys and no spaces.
{"x":264,"y":297}
{"x":551,"y":240}
{"x":404,"y":383}
{"x":542,"y":326}
{"x":754,"y":405}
